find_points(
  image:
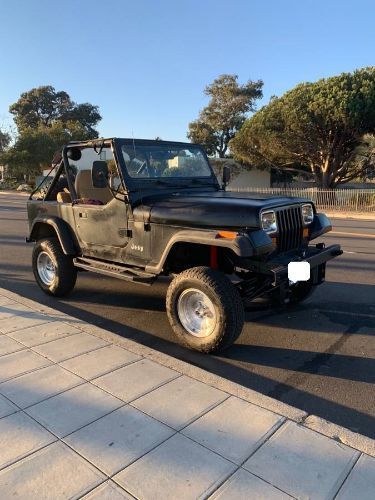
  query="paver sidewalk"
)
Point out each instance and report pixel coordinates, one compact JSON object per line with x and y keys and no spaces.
{"x":87,"y":414}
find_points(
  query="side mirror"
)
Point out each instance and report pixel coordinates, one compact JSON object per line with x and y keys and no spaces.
{"x":99,"y":174}
{"x":74,"y":154}
{"x":226,"y":176}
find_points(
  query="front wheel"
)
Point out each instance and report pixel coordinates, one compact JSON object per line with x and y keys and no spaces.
{"x":53,"y":270}
{"x":205,"y":309}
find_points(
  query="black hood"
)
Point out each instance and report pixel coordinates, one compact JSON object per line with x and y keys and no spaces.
{"x":218,"y":209}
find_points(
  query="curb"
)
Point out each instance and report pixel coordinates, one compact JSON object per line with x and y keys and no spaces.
{"x":310,"y":421}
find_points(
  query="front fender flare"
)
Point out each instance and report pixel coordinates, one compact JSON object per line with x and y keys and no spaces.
{"x":321,"y":225}
{"x":62,"y":230}
{"x":244,"y":245}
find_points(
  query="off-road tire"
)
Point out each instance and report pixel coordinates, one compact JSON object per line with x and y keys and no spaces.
{"x":66,"y":272}
{"x":226,"y":300}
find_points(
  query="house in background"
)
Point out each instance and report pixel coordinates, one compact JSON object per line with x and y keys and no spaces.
{"x":242,"y":176}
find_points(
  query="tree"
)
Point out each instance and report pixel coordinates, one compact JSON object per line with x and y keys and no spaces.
{"x":225,"y":113}
{"x":315,"y":126}
{"x":86,"y":115}
{"x":43,"y":106}
{"x":364,"y":158}
{"x":4,"y":140}
{"x":46,"y":120}
{"x":35,"y":147}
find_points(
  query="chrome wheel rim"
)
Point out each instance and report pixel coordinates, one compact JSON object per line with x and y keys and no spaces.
{"x":196,"y":312}
{"x":46,"y":268}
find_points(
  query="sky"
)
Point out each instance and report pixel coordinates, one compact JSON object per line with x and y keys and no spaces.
{"x":145,"y":63}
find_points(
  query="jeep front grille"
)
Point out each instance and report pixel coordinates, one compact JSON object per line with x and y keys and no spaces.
{"x":290,"y":228}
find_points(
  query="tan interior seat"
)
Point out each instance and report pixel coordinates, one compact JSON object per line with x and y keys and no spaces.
{"x":64,"y":197}
{"x":85,"y":189}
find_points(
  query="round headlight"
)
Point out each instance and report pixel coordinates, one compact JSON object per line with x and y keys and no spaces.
{"x":307,"y":214}
{"x":268,"y":220}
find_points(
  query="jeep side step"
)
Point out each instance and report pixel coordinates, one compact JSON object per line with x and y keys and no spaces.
{"x":115,"y":270}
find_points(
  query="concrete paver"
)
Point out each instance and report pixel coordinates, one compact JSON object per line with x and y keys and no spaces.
{"x":131,"y":382}
{"x":71,"y":410}
{"x":17,"y":363}
{"x":6,"y":407}
{"x":178,"y":468}
{"x":108,"y":491}
{"x":96,"y":363}
{"x":50,"y":473}
{"x":9,"y":308}
{"x":23,"y":320}
{"x":177,"y":437}
{"x":43,"y":333}
{"x":302,"y":462}
{"x":114,"y":441}
{"x":36,"y":386}
{"x":234,"y":429}
{"x":6,"y":301}
{"x":245,"y":486}
{"x":180,"y":401}
{"x":68,"y":347}
{"x":20,"y":435}
{"x":8,"y":345}
{"x":360,"y":483}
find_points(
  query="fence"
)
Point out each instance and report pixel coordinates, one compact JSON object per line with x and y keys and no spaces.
{"x":350,"y":200}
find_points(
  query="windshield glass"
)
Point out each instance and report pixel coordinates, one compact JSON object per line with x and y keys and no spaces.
{"x":163,"y":161}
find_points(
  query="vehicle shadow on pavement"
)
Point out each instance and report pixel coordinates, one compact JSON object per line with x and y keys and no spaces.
{"x":308,"y":361}
{"x":249,"y":355}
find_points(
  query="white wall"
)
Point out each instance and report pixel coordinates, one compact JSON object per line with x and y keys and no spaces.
{"x":253,"y":178}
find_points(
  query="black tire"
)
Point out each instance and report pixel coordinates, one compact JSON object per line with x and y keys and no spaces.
{"x":65,"y":274}
{"x":226,"y":300}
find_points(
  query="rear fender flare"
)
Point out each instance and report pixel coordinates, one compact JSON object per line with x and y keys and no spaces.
{"x":42,"y":225}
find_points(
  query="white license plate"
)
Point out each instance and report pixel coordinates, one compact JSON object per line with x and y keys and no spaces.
{"x":298,"y":271}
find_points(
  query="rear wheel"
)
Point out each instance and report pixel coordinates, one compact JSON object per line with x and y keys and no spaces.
{"x":53,"y":270}
{"x":205,"y":309}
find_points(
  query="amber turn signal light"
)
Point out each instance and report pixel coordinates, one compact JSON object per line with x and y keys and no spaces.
{"x":229,"y":235}
{"x":306,"y":232}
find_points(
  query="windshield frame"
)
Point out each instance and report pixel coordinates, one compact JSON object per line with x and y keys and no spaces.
{"x":153,"y":183}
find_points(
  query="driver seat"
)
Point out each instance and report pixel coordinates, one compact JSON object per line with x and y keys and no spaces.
{"x":85,"y":189}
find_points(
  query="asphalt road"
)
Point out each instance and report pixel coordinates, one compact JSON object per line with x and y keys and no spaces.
{"x":319,"y":356}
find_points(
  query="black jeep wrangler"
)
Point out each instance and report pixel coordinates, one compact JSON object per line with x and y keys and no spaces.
{"x":139,"y":209}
